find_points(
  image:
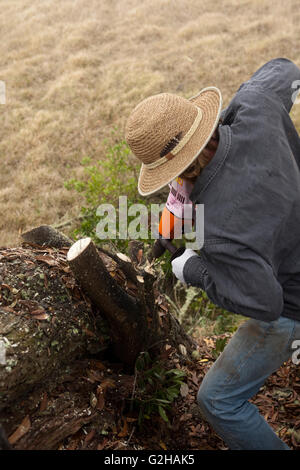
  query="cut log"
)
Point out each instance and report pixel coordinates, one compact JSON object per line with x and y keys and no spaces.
{"x":45,"y":418}
{"x":49,"y":431}
{"x":48,"y":319}
{"x":58,"y":305}
{"x":45,"y":235}
{"x":125,"y":313}
{"x":45,"y":321}
{"x":137,"y":322}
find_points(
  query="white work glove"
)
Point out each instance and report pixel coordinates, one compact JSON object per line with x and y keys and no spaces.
{"x":179,"y":261}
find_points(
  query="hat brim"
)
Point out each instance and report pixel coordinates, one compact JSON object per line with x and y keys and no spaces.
{"x":152,"y":179}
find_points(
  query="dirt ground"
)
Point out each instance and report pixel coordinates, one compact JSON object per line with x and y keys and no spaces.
{"x":109,"y":424}
{"x":86,"y":403}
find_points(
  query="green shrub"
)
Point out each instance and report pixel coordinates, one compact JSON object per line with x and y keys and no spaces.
{"x":219,"y":348}
{"x":107,"y":179}
{"x":156,"y":388}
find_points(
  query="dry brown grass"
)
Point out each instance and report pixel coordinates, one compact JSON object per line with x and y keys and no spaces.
{"x":74,"y":69}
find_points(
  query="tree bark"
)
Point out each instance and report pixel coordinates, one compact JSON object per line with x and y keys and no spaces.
{"x":45,"y":235}
{"x":45,"y":418}
{"x":45,"y":320}
{"x":57,"y":305}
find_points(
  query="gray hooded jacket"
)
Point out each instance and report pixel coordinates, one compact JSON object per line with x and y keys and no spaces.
{"x":250,"y":261}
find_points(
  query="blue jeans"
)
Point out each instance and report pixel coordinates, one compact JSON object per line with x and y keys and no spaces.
{"x":255,"y":351}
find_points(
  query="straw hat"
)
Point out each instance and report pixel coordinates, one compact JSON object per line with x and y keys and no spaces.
{"x":167,"y":133}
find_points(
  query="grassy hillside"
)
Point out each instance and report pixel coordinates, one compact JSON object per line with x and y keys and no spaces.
{"x":75,"y":69}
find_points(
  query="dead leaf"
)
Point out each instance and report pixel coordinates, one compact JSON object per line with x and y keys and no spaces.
{"x":124,"y":430}
{"x":21,"y":431}
{"x":131,"y":285}
{"x":40,"y":316}
{"x":120,"y":275}
{"x":163,"y":307}
{"x":30,"y":304}
{"x":27,"y":261}
{"x":48,"y":260}
{"x":163,"y":445}
{"x":44,"y":402}
{"x":89,"y":437}
{"x":6,"y":286}
{"x":38,"y":311}
{"x":66,"y":269}
{"x":88,"y":332}
{"x":102,"y":444}
{"x":195,"y":378}
{"x":13,"y":303}
{"x":8,"y":309}
{"x":98,"y":365}
{"x":107,"y":383}
{"x":94,"y":375}
{"x":101,"y":400}
{"x":139,"y":255}
{"x":209,"y":342}
{"x":93,"y":400}
{"x":74,"y":441}
{"x":161,"y":313}
{"x":43,"y":316}
{"x":184,"y":390}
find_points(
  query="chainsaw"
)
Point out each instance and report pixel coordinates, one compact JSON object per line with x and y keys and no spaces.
{"x":177,"y":217}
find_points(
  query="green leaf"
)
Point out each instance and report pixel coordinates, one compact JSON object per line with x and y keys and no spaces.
{"x":159,"y":377}
{"x":163,"y":414}
{"x":161,"y":400}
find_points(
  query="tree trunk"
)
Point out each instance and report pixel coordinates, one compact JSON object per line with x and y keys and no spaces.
{"x":61,"y":304}
{"x":132,"y":305}
{"x":45,"y":235}
{"x":45,"y":418}
{"x":45,"y":320}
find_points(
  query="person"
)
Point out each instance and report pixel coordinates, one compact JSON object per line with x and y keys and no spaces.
{"x":244,"y":163}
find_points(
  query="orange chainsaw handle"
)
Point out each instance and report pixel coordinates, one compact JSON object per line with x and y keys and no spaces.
{"x":168,"y":223}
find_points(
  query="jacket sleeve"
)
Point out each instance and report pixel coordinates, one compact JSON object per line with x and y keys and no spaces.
{"x":280,"y":76}
{"x":237,"y":279}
